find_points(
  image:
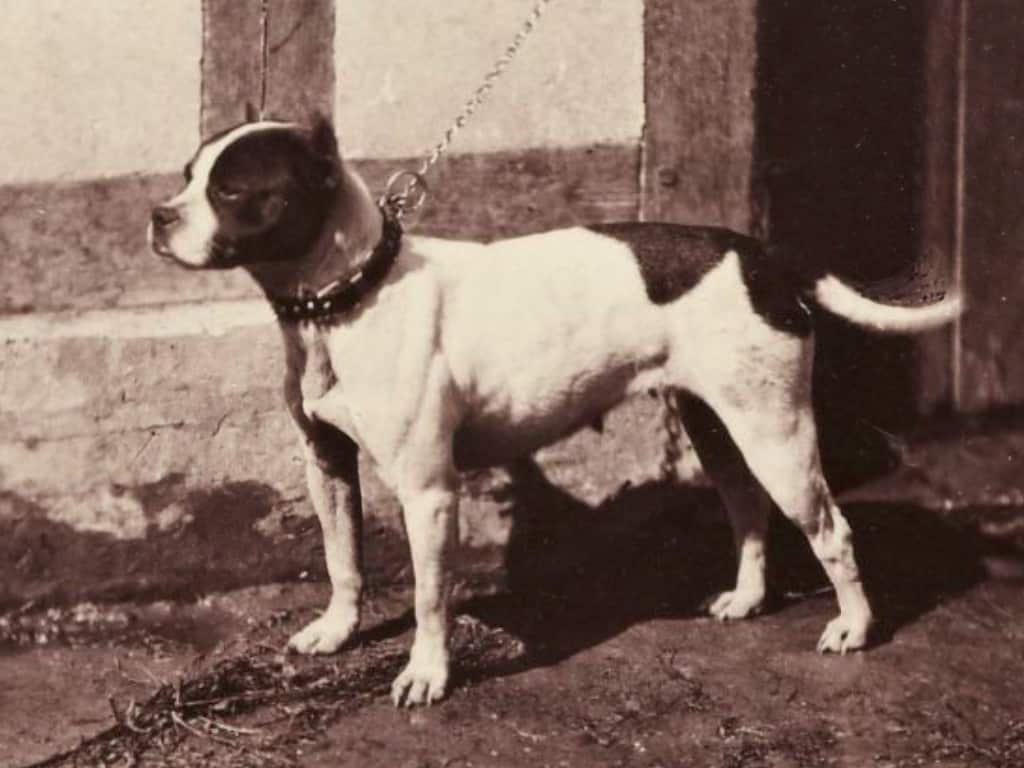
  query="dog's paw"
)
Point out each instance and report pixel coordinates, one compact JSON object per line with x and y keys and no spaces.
{"x":844,"y":634}
{"x":423,"y":681}
{"x":324,"y":635}
{"x":736,"y":604}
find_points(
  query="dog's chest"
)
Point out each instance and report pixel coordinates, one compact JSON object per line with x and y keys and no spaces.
{"x":369,"y":371}
{"x":311,"y":373}
{"x":317,"y":375}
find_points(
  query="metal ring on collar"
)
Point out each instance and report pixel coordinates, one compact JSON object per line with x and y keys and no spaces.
{"x":409,"y":197}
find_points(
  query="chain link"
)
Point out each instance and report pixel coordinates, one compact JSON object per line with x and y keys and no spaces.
{"x":673,"y":425}
{"x":480,"y":94}
{"x":414,"y":192}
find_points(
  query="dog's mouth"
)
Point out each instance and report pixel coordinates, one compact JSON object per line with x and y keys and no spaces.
{"x":157,"y":241}
{"x":160,"y":248}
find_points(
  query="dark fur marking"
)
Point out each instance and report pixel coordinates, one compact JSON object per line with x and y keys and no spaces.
{"x":775,"y":289}
{"x":673,"y":258}
{"x":278,"y":170}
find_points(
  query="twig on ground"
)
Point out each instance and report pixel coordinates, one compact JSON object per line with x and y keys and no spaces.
{"x":180,"y":721}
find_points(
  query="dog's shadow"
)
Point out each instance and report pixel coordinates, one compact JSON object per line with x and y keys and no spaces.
{"x":578,"y":575}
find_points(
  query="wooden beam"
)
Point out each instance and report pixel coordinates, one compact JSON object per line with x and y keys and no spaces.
{"x":938,"y":193}
{"x":300,"y":58}
{"x":82,"y":245}
{"x":231,"y":63}
{"x":699,"y":137}
{"x":276,"y":54}
{"x":993,"y":271}
{"x":502,"y":194}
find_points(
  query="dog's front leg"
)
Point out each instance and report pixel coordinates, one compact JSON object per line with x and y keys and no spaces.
{"x":431,"y":522}
{"x":332,"y":474}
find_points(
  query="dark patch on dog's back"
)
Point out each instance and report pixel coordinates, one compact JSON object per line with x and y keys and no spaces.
{"x":673,"y":258}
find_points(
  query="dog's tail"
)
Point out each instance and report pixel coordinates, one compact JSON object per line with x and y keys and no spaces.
{"x":840,"y":299}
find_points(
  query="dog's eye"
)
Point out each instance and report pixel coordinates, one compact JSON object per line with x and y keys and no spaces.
{"x":226,"y":194}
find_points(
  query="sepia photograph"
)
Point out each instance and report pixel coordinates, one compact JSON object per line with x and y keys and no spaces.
{"x":512,"y":383}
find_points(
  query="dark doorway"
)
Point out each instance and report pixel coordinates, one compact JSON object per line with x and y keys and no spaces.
{"x":840,"y":118}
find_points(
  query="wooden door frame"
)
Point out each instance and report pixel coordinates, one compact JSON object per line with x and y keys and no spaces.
{"x":700,"y":68}
{"x":275,"y":54}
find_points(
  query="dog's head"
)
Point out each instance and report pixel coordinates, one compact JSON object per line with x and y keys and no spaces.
{"x":258,"y":192}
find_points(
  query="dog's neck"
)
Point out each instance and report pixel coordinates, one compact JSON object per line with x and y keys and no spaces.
{"x":352,"y":228}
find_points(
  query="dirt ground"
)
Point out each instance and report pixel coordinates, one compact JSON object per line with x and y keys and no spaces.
{"x":588,"y":648}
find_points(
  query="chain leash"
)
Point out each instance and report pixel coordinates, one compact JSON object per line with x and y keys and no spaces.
{"x":672,"y":423}
{"x":406,"y":190}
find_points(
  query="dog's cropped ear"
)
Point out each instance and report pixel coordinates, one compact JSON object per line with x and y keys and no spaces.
{"x":324,"y":142}
{"x":252,"y":114}
{"x":324,"y":170}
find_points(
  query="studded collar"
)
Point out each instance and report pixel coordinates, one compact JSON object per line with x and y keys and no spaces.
{"x":345,"y":293}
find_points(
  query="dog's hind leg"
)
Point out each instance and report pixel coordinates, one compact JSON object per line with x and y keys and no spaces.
{"x":746,"y":502}
{"x":332,"y":475}
{"x":778,"y":439}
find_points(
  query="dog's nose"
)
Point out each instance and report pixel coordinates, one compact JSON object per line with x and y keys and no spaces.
{"x":164,"y":216}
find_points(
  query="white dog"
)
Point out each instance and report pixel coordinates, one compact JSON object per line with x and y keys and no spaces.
{"x":434,"y":355}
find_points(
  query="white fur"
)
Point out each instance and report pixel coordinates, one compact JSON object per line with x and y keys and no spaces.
{"x":839,"y":298}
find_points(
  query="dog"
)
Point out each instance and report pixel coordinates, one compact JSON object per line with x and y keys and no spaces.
{"x":431,"y":356}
